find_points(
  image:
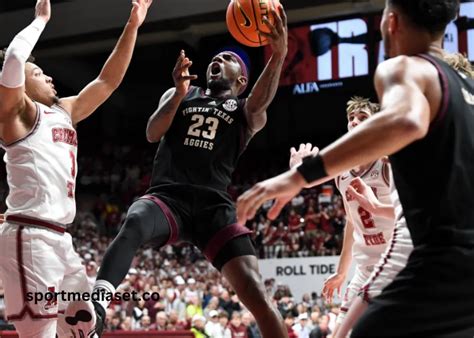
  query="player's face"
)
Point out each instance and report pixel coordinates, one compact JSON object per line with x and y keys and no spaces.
{"x":223,"y":72}
{"x":355,"y":118}
{"x":39,"y":86}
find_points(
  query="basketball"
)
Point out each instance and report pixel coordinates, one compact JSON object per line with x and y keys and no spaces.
{"x":245,"y":19}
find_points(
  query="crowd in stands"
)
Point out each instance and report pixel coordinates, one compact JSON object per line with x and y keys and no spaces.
{"x":193,"y":295}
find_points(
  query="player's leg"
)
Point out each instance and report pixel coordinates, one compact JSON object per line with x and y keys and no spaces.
{"x":390,"y":264}
{"x":148,"y":220}
{"x":44,"y":328}
{"x":240,"y":268}
{"x":30,"y":264}
{"x":358,"y":280}
{"x":145,"y":221}
{"x":355,"y":312}
{"x":74,"y":320}
{"x":229,"y":248}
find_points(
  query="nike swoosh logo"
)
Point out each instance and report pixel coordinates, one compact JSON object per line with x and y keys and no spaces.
{"x":247,"y":22}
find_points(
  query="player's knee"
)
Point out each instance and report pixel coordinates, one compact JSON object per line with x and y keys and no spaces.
{"x":133,"y":227}
{"x":252,"y":286}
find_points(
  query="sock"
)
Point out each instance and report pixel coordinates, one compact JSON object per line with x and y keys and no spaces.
{"x":103,"y":286}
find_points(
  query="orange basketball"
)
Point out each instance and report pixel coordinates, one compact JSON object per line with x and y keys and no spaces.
{"x":245,"y":18}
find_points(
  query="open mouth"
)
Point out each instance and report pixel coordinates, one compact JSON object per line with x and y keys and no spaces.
{"x":215,"y":69}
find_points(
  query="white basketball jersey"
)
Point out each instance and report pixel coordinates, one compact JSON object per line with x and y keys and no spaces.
{"x":41,"y":168}
{"x":371,"y":233}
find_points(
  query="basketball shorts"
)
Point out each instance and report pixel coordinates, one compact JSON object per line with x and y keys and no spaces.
{"x":204,"y":217}
{"x":35,"y":260}
{"x":391,"y":263}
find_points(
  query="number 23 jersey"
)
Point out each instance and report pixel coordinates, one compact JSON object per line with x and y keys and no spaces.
{"x":203,"y":143}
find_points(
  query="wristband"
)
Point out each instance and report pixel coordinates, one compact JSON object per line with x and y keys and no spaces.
{"x":312,"y":168}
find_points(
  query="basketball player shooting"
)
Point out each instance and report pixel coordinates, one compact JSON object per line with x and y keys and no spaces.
{"x":38,"y":135}
{"x":202,"y":133}
{"x":426,"y":125}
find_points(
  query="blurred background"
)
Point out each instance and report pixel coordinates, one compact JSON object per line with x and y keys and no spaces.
{"x":334,"y":49}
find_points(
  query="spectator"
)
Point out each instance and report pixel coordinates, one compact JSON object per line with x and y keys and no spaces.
{"x":236,"y":327}
{"x":213,"y":327}
{"x":161,"y":321}
{"x":252,"y":328}
{"x":289,"y":322}
{"x":198,"y":324}
{"x":194,"y":307}
{"x":322,"y":329}
{"x":145,"y":323}
{"x":302,"y":327}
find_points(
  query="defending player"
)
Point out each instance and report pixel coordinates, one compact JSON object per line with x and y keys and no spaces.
{"x":369,"y":226}
{"x":38,"y":135}
{"x":426,"y":125}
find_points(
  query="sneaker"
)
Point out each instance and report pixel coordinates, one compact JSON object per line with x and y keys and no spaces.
{"x":79,"y":320}
{"x":100,"y":319}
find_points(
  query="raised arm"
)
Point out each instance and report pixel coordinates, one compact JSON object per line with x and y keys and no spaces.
{"x":296,"y":157}
{"x":13,"y":100}
{"x":160,"y":121}
{"x":113,"y":71}
{"x":266,"y":86}
{"x":401,"y":84}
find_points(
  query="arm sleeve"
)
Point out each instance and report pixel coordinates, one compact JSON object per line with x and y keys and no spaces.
{"x":18,"y":52}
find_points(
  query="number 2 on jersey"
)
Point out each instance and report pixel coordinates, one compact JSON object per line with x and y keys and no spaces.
{"x":211,"y":123}
{"x":366,"y":218}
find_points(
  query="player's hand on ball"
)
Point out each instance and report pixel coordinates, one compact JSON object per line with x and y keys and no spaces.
{"x":43,"y":10}
{"x":139,"y":11}
{"x":181,"y":77}
{"x":278,"y":36}
{"x":305,"y":150}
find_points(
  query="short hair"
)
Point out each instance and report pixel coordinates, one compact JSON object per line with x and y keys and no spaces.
{"x":3,"y":52}
{"x":460,"y":63}
{"x":432,"y":15}
{"x":361,"y":103}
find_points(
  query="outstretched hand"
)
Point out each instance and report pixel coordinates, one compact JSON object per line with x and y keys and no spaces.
{"x":139,"y":11}
{"x":282,"y":188}
{"x":43,"y":10}
{"x":305,"y":150}
{"x":181,"y":77}
{"x":278,"y":36}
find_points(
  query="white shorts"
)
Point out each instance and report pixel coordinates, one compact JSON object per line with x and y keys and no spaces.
{"x":392,"y":261}
{"x":361,"y":276}
{"x":37,"y":260}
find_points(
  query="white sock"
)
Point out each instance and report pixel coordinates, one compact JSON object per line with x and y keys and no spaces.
{"x":100,"y":286}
